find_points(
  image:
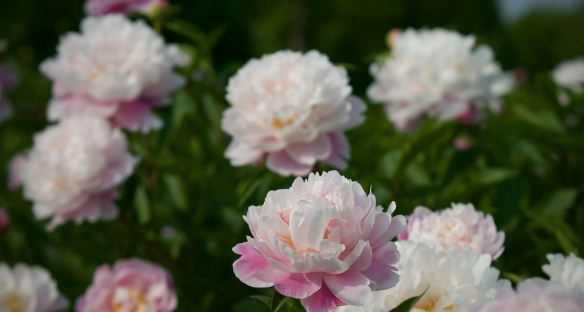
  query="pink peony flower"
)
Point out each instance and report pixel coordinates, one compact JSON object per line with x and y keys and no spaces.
{"x":323,"y":241}
{"x":114,"y":68}
{"x":73,"y":170}
{"x":536,"y":295}
{"x":4,"y":220}
{"x":128,"y":286}
{"x":102,"y":7}
{"x":459,"y":226}
{"x":290,"y":110}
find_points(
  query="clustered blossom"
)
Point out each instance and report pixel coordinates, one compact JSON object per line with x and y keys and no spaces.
{"x":323,"y":241}
{"x":290,"y":110}
{"x":103,"y":7}
{"x":564,"y":292}
{"x":130,"y":285}
{"x":114,"y":68}
{"x":28,"y":289}
{"x":73,"y":170}
{"x":452,"y":281}
{"x":457,"y":227}
{"x":437,"y":73}
{"x":570,"y":75}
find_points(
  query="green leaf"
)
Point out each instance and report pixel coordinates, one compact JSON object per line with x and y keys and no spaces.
{"x":409,"y":304}
{"x":176,"y":191}
{"x":142,"y":205}
{"x":494,"y":175}
{"x":542,"y":119}
{"x":559,"y":202}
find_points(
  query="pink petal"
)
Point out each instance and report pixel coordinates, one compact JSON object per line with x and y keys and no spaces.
{"x":351,"y":287}
{"x":281,"y":163}
{"x":241,"y":154}
{"x":309,"y":153}
{"x":254,"y":269}
{"x":137,"y":116}
{"x":383,"y":269}
{"x":340,"y":150}
{"x":321,"y":301}
{"x":299,"y":285}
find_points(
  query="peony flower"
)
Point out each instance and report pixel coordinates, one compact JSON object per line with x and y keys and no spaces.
{"x":130,"y":285}
{"x":73,"y":170}
{"x":437,"y":73}
{"x":566,"y":271}
{"x":570,"y":75}
{"x":103,"y":7}
{"x":28,"y":289}
{"x":4,"y":220}
{"x":450,"y":281}
{"x":323,"y":241}
{"x":536,"y":295}
{"x":114,"y":68}
{"x":459,"y":226}
{"x":290,"y":109}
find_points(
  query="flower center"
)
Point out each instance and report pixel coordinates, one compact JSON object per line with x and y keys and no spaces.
{"x":279,"y":123}
{"x":129,"y":300}
{"x":430,"y":303}
{"x":14,"y":303}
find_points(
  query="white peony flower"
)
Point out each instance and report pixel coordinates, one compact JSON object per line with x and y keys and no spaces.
{"x":451,"y":281}
{"x":73,"y":170}
{"x":566,"y":271}
{"x":570,"y":74}
{"x":28,"y":289}
{"x":457,"y":227}
{"x":290,"y":109}
{"x":114,"y":68}
{"x":437,"y":73}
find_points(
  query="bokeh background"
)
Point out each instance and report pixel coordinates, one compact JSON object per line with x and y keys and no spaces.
{"x":183,"y":207}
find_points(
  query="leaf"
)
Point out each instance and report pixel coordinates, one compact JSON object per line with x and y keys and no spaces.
{"x":494,"y":175}
{"x":542,"y":119}
{"x":142,"y":205}
{"x":559,"y":202}
{"x":176,"y":191}
{"x":409,"y":304}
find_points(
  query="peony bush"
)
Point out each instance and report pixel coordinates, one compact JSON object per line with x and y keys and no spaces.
{"x":166,"y":156}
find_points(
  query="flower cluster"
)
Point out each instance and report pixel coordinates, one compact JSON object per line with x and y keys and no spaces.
{"x":116,"y":69}
{"x":437,"y":73}
{"x":290,"y":110}
{"x":323,"y":241}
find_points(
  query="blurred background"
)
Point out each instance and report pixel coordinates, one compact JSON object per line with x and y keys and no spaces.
{"x":524,"y":167}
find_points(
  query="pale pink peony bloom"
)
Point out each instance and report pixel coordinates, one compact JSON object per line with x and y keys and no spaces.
{"x":457,"y":227}
{"x":114,"y":68}
{"x":28,"y":289}
{"x":290,"y":110}
{"x":73,"y":170}
{"x":437,"y":73}
{"x":323,"y":241}
{"x":103,"y":7}
{"x":567,"y":271}
{"x":536,"y":295}
{"x":128,"y":286}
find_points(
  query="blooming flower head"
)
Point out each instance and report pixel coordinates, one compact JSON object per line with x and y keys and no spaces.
{"x":28,"y":289}
{"x":570,"y":75}
{"x":128,"y":286}
{"x":437,"y":73}
{"x":290,"y":109}
{"x":323,"y":241}
{"x":103,"y":7}
{"x":73,"y":170}
{"x":114,"y":68}
{"x":449,"y":281}
{"x":536,"y":295}
{"x":566,"y":271}
{"x":459,"y":226}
